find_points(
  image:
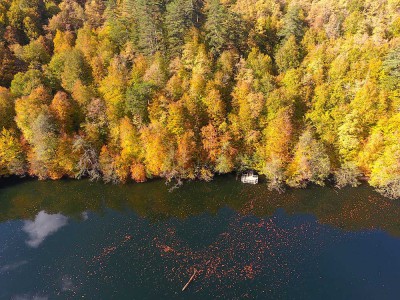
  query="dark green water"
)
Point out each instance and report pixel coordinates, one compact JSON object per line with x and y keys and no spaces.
{"x":76,"y":239}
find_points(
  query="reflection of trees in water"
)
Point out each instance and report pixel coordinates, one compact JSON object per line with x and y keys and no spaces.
{"x":272,"y":248}
{"x":350,"y":209}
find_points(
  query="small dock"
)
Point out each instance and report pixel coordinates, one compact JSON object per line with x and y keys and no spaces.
{"x":249,"y":177}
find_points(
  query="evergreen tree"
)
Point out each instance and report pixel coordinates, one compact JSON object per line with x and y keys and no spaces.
{"x":288,"y":55}
{"x":224,"y":29}
{"x":392,"y":69}
{"x":179,"y":18}
{"x":293,"y":23}
{"x":149,"y":25}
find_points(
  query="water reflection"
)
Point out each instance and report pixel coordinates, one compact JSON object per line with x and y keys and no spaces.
{"x":29,"y":297}
{"x":43,"y":226}
{"x":350,"y":209}
{"x":85,"y":216}
{"x":67,"y":284}
{"x":12,"y":266}
{"x":244,"y":241}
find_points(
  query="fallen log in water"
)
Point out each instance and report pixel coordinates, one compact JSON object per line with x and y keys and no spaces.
{"x":190,"y":280}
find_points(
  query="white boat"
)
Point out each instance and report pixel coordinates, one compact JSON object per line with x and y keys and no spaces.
{"x":250,"y":177}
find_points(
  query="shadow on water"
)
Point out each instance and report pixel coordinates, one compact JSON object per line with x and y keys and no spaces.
{"x":7,"y":182}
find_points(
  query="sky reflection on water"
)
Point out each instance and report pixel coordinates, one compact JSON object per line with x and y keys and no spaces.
{"x":43,"y":226}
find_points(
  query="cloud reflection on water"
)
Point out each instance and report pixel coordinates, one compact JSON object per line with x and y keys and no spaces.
{"x":29,"y":297}
{"x":85,"y":216}
{"x":12,"y":267}
{"x":43,"y":226}
{"x":67,"y":284}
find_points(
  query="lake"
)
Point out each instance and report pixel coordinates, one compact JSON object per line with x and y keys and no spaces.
{"x":78,"y":239}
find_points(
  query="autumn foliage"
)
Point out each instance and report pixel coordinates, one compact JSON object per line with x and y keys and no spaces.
{"x":301,"y":91}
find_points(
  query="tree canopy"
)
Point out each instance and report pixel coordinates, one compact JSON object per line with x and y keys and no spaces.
{"x":301,"y":91}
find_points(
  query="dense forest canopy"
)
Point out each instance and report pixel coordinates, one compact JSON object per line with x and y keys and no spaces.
{"x":299,"y":90}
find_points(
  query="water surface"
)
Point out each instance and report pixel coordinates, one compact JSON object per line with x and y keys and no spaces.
{"x":77,"y":239}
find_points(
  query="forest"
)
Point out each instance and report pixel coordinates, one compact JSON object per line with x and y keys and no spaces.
{"x":302,"y":91}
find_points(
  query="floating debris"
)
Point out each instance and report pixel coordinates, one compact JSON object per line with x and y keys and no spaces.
{"x":190,"y":280}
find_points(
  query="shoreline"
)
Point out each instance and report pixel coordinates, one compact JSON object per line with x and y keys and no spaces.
{"x":7,"y":181}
